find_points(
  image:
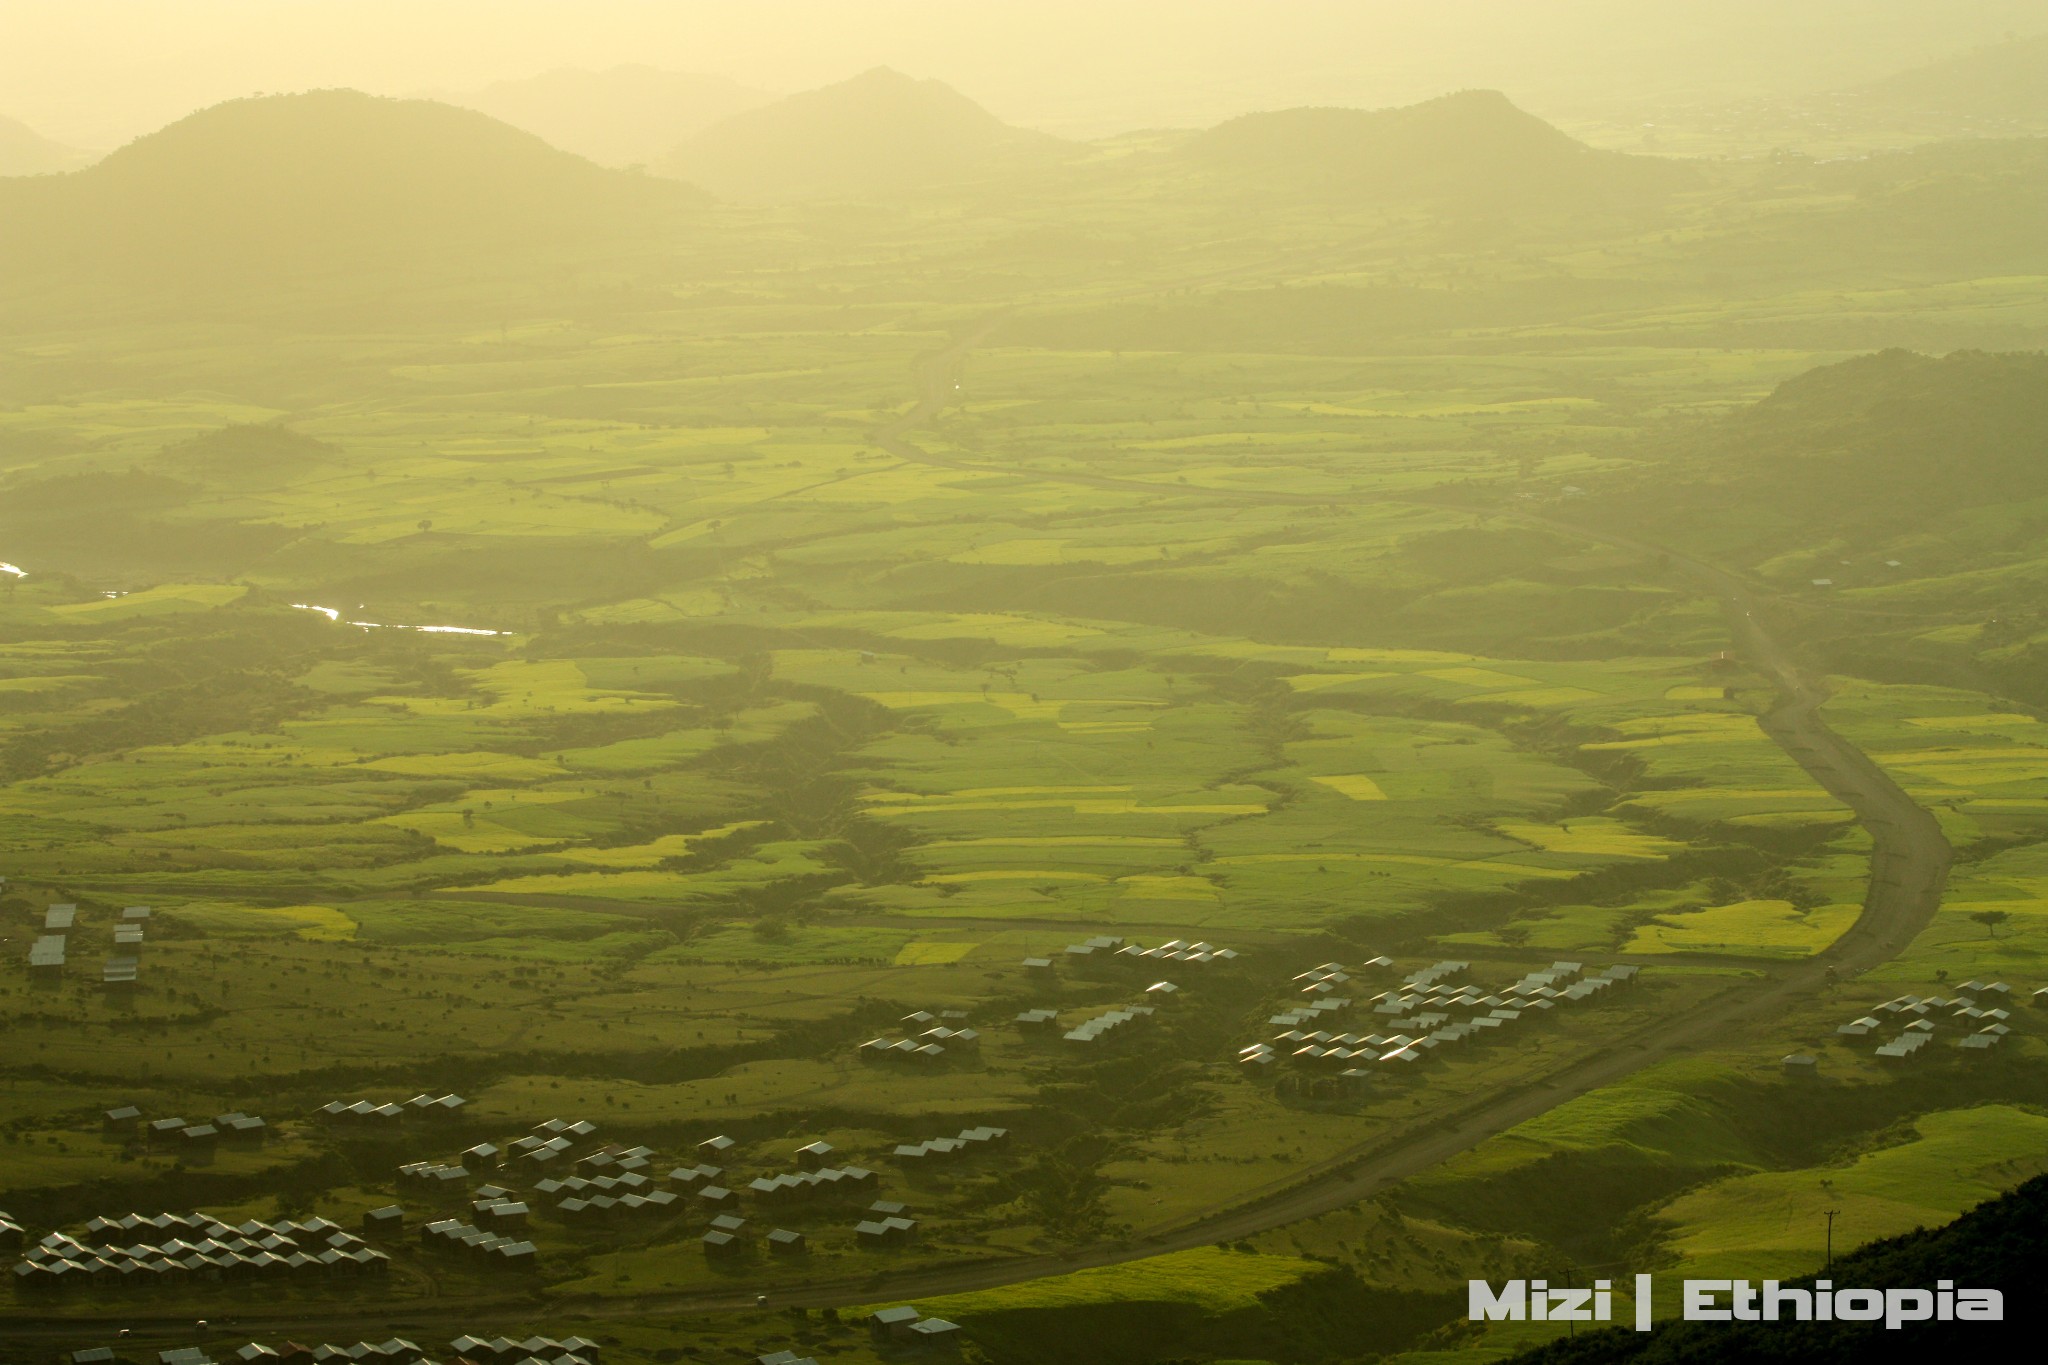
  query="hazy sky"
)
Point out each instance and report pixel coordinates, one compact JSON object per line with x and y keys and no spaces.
{"x":98,"y":72}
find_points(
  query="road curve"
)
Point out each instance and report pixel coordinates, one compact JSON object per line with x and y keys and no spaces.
{"x":1909,"y":870}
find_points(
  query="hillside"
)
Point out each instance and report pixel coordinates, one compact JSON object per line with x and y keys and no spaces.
{"x":1861,"y":458}
{"x":1996,"y":1245}
{"x":24,"y":151}
{"x":2005,"y":83}
{"x":880,"y":133}
{"x":1474,"y":146}
{"x":628,"y":115}
{"x":259,"y":190}
{"x":1891,"y":435}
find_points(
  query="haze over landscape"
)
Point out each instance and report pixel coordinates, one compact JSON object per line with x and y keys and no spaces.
{"x":1129,"y":683}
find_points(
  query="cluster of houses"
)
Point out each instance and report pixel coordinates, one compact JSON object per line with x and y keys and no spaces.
{"x":1175,"y":950}
{"x":725,"y":1237}
{"x":969,"y":1141}
{"x":1424,"y":1014}
{"x":434,"y":1178}
{"x":888,"y":1225}
{"x":943,"y":1034}
{"x":1091,"y":1031}
{"x":823,"y":1185}
{"x":364,"y":1114}
{"x":1109,"y":950}
{"x":11,"y":1235}
{"x":613,"y":1197}
{"x":122,"y":971}
{"x":907,"y":1324}
{"x":397,"y":1351}
{"x":532,"y":1351}
{"x":1977,"y":1010}
{"x":549,"y":1142}
{"x":450,"y":1234}
{"x":50,"y":954}
{"x":199,"y":1247}
{"x":190,"y":1141}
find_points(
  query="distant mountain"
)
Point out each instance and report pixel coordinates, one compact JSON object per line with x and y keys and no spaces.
{"x":629,"y":115}
{"x":877,"y":134}
{"x":1473,"y":146}
{"x":264,"y":190}
{"x":24,"y":151}
{"x":2004,"y":83}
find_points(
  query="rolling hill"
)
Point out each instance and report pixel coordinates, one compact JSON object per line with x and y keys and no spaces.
{"x":267,"y":190}
{"x":1934,"y":461}
{"x":2005,"y":83}
{"x":880,"y":133}
{"x":628,"y":115}
{"x":24,"y":151}
{"x":1472,"y":147}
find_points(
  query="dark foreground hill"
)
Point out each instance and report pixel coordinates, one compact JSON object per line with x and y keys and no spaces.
{"x":1471,"y":147}
{"x":880,"y":133}
{"x":269,"y":191}
{"x":1997,"y":1245}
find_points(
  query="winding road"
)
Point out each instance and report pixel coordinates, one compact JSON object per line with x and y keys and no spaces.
{"x":1909,"y":870}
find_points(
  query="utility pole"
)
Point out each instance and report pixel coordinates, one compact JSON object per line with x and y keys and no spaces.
{"x":1831,"y":1237}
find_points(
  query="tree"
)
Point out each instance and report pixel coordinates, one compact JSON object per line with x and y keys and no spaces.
{"x":1991,"y":919}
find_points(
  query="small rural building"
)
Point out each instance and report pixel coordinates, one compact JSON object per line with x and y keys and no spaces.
{"x":785,"y":1242}
{"x":1037,"y":1021}
{"x":46,"y":959}
{"x":814,"y":1156}
{"x":892,"y":1324}
{"x":691,"y":1176}
{"x":935,"y":1332}
{"x":1801,"y":1066}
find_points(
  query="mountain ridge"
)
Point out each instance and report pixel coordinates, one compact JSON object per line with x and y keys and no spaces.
{"x":878,"y":132}
{"x":272,"y":187}
{"x":1471,"y":144}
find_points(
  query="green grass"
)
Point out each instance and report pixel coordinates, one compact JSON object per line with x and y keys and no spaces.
{"x":1209,"y":1278}
{"x":1771,"y":1223}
